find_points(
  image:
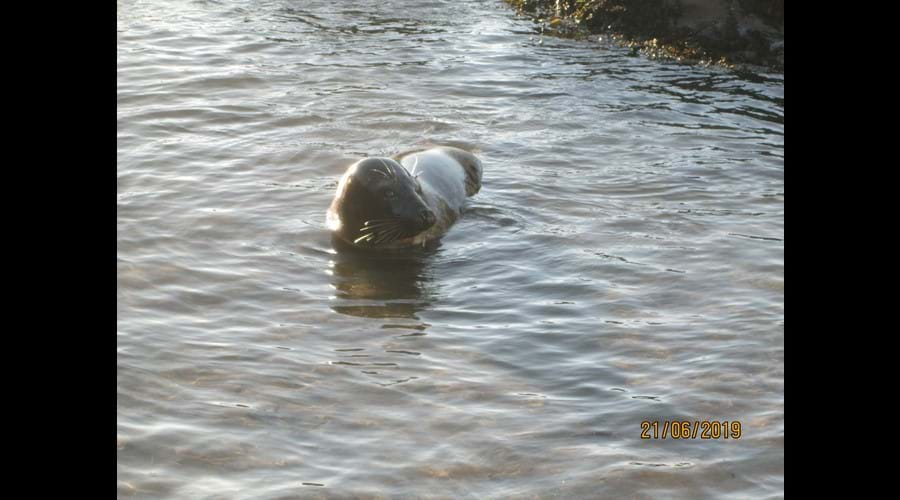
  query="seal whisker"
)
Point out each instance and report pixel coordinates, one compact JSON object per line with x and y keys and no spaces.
{"x":381,"y":223}
{"x":373,"y":222}
{"x":365,"y":238}
{"x":400,"y":234}
{"x":387,"y":235}
{"x":380,"y":227}
{"x":385,"y":231}
{"x":386,"y":167}
{"x":384,"y":237}
{"x":395,"y":234}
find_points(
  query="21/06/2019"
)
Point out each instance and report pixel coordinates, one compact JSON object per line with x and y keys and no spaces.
{"x":691,"y":429}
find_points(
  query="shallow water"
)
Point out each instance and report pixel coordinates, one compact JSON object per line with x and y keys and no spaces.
{"x":623,"y":262}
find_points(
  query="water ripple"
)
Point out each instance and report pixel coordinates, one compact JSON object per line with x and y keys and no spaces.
{"x":623,"y":262}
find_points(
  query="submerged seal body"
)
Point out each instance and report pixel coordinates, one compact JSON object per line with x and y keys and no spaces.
{"x":403,"y":201}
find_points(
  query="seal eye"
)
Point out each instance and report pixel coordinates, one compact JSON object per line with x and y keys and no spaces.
{"x":389,"y":194}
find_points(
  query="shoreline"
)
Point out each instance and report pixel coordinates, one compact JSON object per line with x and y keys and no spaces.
{"x":731,"y":33}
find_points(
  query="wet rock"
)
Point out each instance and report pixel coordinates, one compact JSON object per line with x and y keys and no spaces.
{"x":734,"y":31}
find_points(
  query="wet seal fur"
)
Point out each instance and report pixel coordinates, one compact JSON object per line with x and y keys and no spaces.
{"x":404,"y":201}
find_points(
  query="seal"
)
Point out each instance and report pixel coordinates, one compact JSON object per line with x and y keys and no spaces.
{"x":404,"y":201}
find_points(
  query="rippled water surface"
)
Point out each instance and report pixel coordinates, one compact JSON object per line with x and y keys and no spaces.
{"x":623,"y":262}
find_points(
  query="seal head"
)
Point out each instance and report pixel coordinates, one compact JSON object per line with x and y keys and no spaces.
{"x":378,"y":203}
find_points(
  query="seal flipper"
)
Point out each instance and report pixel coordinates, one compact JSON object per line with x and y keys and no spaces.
{"x":472,"y":166}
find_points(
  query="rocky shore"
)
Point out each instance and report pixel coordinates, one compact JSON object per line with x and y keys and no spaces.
{"x":733,"y":33}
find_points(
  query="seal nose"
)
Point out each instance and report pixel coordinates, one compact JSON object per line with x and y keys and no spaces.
{"x":427,"y":217}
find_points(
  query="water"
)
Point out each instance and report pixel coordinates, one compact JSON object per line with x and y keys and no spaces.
{"x":623,"y":262}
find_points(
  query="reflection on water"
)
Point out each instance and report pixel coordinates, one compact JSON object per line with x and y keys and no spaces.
{"x":368,"y":284}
